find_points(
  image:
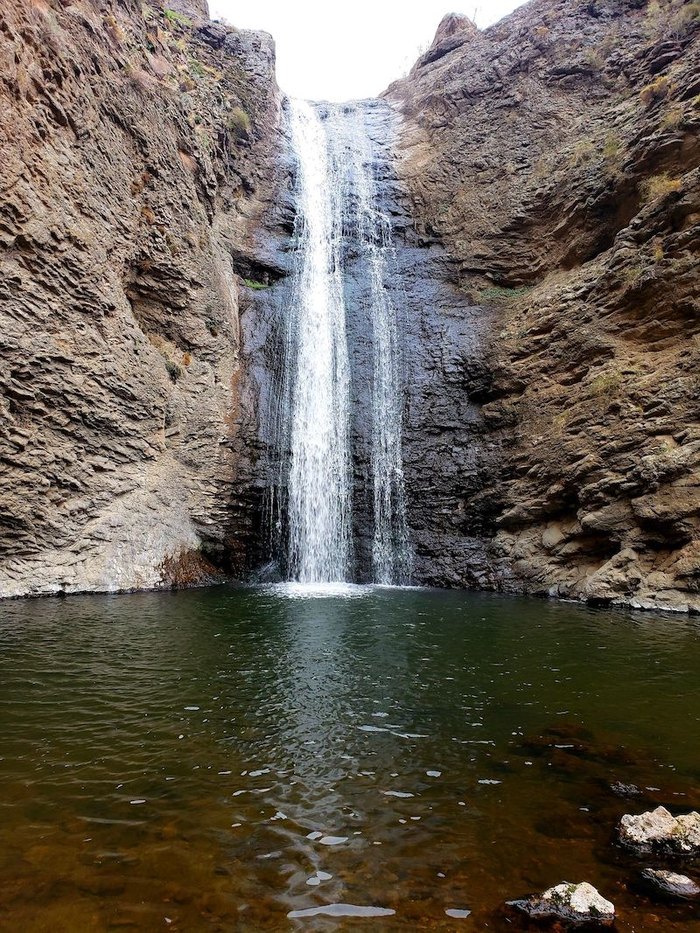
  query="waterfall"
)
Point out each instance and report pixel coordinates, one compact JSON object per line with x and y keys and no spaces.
{"x":337,"y":212}
{"x":390,"y":547}
{"x":319,"y":468}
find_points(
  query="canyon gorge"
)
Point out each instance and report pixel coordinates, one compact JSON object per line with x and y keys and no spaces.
{"x":537,"y":196}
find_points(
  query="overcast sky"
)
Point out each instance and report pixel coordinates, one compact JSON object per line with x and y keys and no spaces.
{"x":351,"y":49}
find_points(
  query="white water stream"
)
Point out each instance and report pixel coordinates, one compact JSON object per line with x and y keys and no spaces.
{"x":338,"y":207}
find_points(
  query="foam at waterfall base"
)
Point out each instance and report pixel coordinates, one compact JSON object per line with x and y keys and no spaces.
{"x":331,"y":590}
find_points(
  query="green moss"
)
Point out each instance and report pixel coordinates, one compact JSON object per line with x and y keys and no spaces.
{"x":611,"y":147}
{"x":173,"y":18}
{"x":581,"y":152}
{"x":196,"y":68}
{"x":256,"y":286}
{"x":498,"y":293}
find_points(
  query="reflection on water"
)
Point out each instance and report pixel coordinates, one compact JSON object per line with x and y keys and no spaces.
{"x":274,"y":759}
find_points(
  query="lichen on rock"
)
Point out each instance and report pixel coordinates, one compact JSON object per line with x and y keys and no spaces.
{"x":574,"y":904}
{"x":659,"y":830}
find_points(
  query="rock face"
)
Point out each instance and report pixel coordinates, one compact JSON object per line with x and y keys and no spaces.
{"x":659,"y":830}
{"x":137,"y":156}
{"x":573,"y":904}
{"x":556,"y":156}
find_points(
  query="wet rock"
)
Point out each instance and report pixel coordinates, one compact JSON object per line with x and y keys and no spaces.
{"x":670,"y":884}
{"x":625,"y":790}
{"x":659,"y":830}
{"x":573,"y":904}
{"x":439,"y":427}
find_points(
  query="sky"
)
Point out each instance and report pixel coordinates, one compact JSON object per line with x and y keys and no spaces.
{"x":351,"y":49}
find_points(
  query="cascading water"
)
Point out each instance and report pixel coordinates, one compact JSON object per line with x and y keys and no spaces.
{"x":338,"y":213}
{"x":318,"y":483}
{"x":390,"y":547}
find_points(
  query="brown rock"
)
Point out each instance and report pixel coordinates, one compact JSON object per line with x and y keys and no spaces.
{"x":556,"y":155}
{"x":127,"y":209}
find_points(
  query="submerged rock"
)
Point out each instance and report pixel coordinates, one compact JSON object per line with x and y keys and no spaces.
{"x":625,"y":790}
{"x":575,"y":904}
{"x":670,"y":884}
{"x":659,"y":830}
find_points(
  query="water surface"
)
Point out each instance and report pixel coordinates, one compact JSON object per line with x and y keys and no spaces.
{"x":401,"y":759}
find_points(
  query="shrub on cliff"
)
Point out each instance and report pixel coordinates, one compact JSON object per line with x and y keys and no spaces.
{"x":238,"y":122}
{"x":174,"y":370}
{"x":657,"y":90}
{"x":658,"y":186}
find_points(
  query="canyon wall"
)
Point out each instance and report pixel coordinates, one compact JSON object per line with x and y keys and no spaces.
{"x":138,"y":161}
{"x":543,"y":183}
{"x":556,"y":156}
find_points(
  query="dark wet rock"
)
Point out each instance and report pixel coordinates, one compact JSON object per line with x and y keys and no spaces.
{"x":575,"y":905}
{"x":659,"y":831}
{"x":563,"y":743}
{"x":625,"y":790}
{"x":669,"y":884}
{"x":438,"y":328}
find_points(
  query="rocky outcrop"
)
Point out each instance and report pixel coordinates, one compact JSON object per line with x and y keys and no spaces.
{"x":556,"y":156}
{"x":137,"y":147}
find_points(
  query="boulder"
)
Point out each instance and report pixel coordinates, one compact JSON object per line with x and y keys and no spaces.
{"x":574,"y":904}
{"x":659,"y":830}
{"x":670,"y":884}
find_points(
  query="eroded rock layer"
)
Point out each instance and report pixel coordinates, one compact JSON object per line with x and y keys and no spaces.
{"x":136,"y":145}
{"x":556,"y":156}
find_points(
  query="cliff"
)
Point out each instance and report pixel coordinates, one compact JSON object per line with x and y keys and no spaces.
{"x":545,"y":205}
{"x":136,"y":144}
{"x":556,"y":156}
